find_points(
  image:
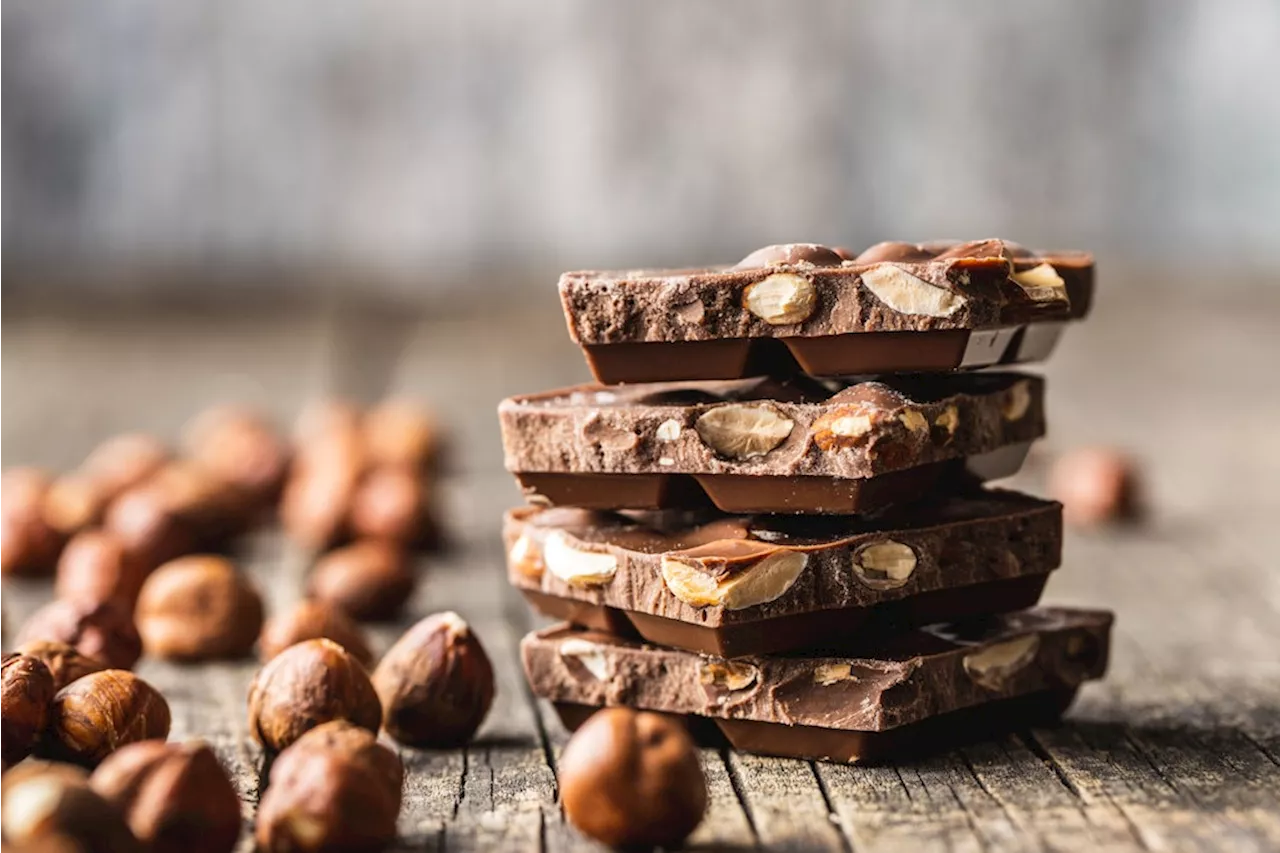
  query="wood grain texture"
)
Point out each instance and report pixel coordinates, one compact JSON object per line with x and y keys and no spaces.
{"x":1179,"y":749}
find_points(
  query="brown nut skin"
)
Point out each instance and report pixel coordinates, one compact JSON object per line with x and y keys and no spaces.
{"x":124,"y":461}
{"x":93,"y":716}
{"x":368,"y":580}
{"x":632,"y":779}
{"x":401,"y":434}
{"x":26,"y":693}
{"x":176,"y":798}
{"x":311,"y":620}
{"x":307,"y":684}
{"x":335,"y":789}
{"x":150,"y":531}
{"x":198,"y":608}
{"x":1096,"y":485}
{"x":94,"y":567}
{"x":28,"y":545}
{"x":103,"y":631}
{"x":791,"y":254}
{"x":64,"y":662}
{"x":74,"y":502}
{"x":392,"y":504}
{"x":317,"y":496}
{"x":435,"y":683}
{"x":51,"y":807}
{"x":239,"y":447}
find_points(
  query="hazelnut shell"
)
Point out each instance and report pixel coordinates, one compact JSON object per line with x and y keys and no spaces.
{"x":26,"y":692}
{"x":95,"y":567}
{"x":369,"y":580}
{"x":311,"y":620}
{"x":64,"y":662}
{"x":198,"y":608}
{"x":51,"y":806}
{"x":103,"y":631}
{"x":93,"y":716}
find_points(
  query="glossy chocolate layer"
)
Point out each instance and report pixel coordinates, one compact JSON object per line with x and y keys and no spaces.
{"x":754,"y":584}
{"x":766,"y":445}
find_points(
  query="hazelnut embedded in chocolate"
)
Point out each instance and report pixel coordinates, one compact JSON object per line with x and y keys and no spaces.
{"x":370,"y":579}
{"x":311,"y":619}
{"x":93,"y":716}
{"x":103,"y":631}
{"x":790,"y":255}
{"x":1095,"y":485}
{"x":198,"y":608}
{"x":632,"y":779}
{"x":26,"y":692}
{"x":435,"y":683}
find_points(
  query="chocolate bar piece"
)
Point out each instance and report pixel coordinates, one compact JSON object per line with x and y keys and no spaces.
{"x":799,"y":445}
{"x":737,"y":585}
{"x":937,"y":681}
{"x":829,"y":312}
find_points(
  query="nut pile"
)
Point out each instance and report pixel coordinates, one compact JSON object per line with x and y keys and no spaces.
{"x":136,"y":540}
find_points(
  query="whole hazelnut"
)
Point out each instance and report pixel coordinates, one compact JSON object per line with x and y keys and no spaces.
{"x":198,"y":608}
{"x":94,"y":568}
{"x":74,"y":502}
{"x":104,"y":631}
{"x":391,"y":504}
{"x":124,"y":461}
{"x":213,"y":508}
{"x":368,"y":579}
{"x":238,"y":447}
{"x":25,"y":691}
{"x":632,"y":779}
{"x":1095,"y":485}
{"x":435,"y":683}
{"x":307,"y":684}
{"x":28,"y":545}
{"x":401,"y":434}
{"x":336,"y":789}
{"x":64,"y":662}
{"x":93,"y":716}
{"x":148,"y":529}
{"x":176,"y":798}
{"x":317,"y":497}
{"x":310,"y":620}
{"x":45,"y":805}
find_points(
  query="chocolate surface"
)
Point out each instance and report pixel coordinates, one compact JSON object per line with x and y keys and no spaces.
{"x":914,"y":676}
{"x":828,"y":312}
{"x":723,"y":583}
{"x":824,"y":436}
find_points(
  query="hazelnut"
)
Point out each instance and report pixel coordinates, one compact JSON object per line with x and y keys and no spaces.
{"x":335,"y":789}
{"x":307,"y":684}
{"x":632,"y":779}
{"x":238,"y":447}
{"x":64,"y":662}
{"x":94,"y":568}
{"x":198,"y":608}
{"x":905,"y":293}
{"x":399,"y":433}
{"x":435,"y":683}
{"x":791,"y":255}
{"x":317,"y":496}
{"x":103,"y":631}
{"x":148,"y":529}
{"x":210,"y":506}
{"x":693,"y":583}
{"x":993,"y":666}
{"x":575,"y":566}
{"x":176,"y":798}
{"x":782,"y":299}
{"x":51,"y":807}
{"x":124,"y":461}
{"x":93,"y":716}
{"x":28,"y":545}
{"x":1096,"y":485}
{"x":392,"y":504}
{"x":74,"y":502}
{"x":26,"y":691}
{"x":884,"y":565}
{"x":743,"y":430}
{"x":311,"y":620}
{"x":1041,"y":283}
{"x":367,"y":580}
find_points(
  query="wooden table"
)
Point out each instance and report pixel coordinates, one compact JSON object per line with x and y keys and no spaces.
{"x":1179,"y":749}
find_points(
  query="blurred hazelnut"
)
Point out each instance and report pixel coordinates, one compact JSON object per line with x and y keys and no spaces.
{"x":317,"y":496}
{"x":238,"y":447}
{"x":367,"y":580}
{"x":322,"y":418}
{"x":93,"y":716}
{"x":176,"y":798}
{"x":51,"y":807}
{"x":212,"y":507}
{"x":64,"y":662}
{"x":311,"y":620}
{"x":147,"y":528}
{"x":26,"y":691}
{"x":391,"y":503}
{"x":94,"y":568}
{"x":335,"y":789}
{"x":435,"y":683}
{"x":198,"y":608}
{"x":401,"y":434}
{"x":307,"y":684}
{"x":104,"y":631}
{"x":632,"y":779}
{"x":28,"y":545}
{"x":74,"y":502}
{"x":1095,"y":485}
{"x":124,"y":461}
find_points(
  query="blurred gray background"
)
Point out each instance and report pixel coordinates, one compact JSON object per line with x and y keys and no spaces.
{"x":433,"y":148}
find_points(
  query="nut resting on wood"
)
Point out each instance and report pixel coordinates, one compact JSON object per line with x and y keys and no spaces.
{"x":368,"y":580}
{"x":632,"y":779}
{"x":51,"y":806}
{"x":102,"y":631}
{"x":198,"y":608}
{"x":94,"y":567}
{"x":312,"y":620}
{"x":176,"y":798}
{"x":335,"y":789}
{"x":308,"y":684}
{"x":65,"y":663}
{"x":240,"y":448}
{"x":93,"y":716}
{"x":435,"y":683}
{"x":27,"y":691}
{"x":28,"y":545}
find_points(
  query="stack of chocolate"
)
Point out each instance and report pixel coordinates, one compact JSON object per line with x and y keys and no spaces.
{"x":769,"y":518}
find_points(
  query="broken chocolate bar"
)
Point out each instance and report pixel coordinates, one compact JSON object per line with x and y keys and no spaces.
{"x":800,"y":445}
{"x":941,"y":683}
{"x":737,"y":585}
{"x":895,"y":307}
